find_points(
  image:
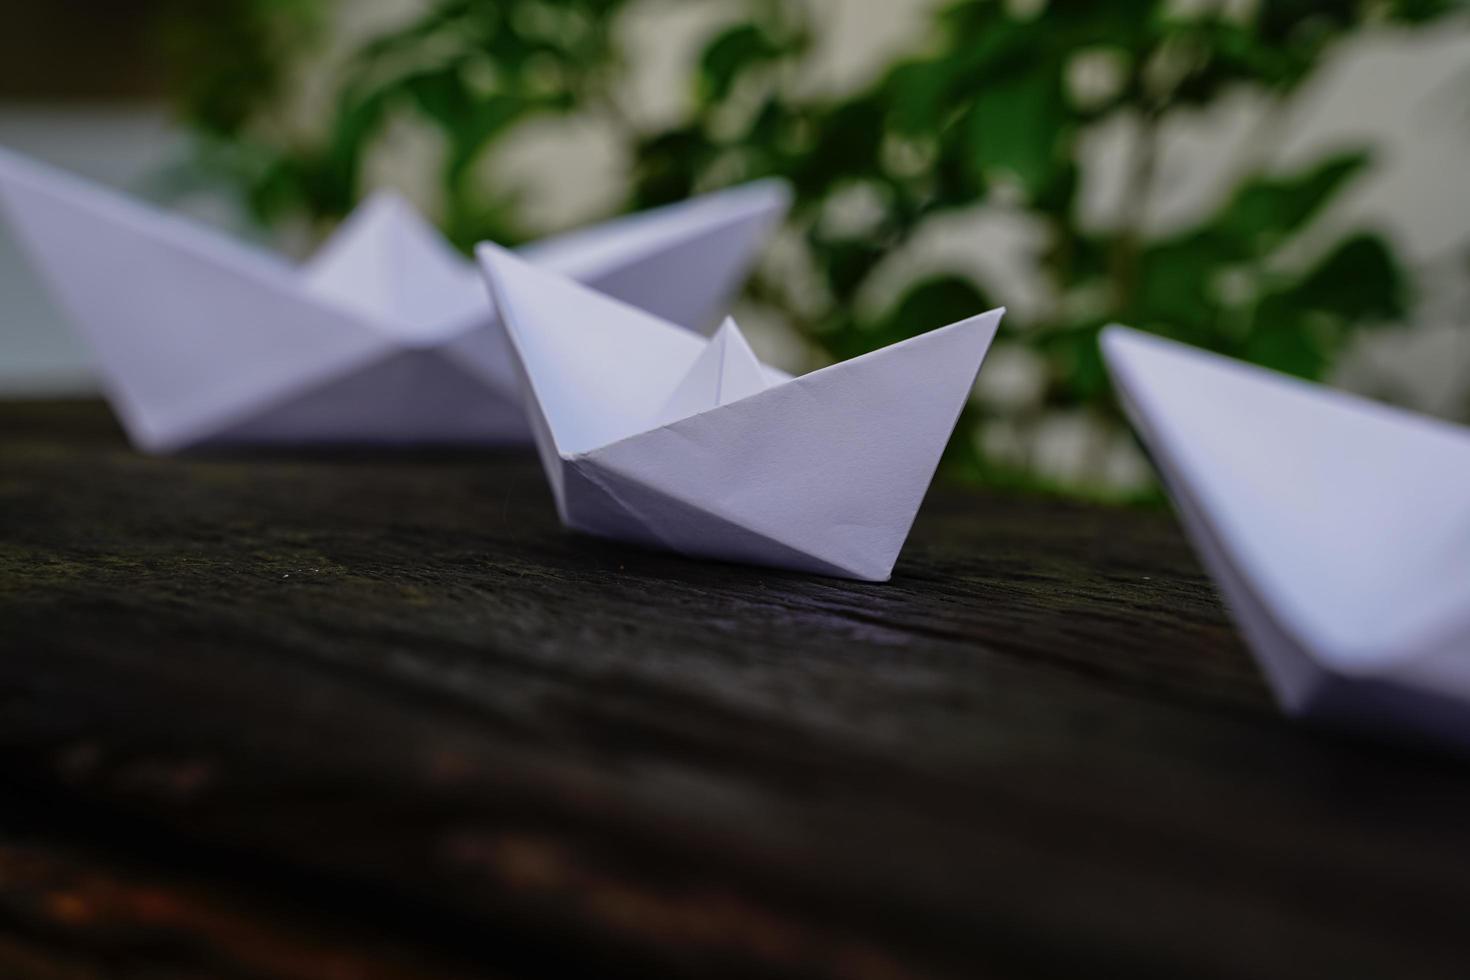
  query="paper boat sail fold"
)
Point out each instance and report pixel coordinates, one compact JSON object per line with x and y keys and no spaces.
{"x":726,"y":370}
{"x":1338,"y":529}
{"x":651,"y":434}
{"x":386,"y":262}
{"x":383,"y":337}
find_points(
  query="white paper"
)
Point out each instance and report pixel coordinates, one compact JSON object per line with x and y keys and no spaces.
{"x":1337,"y":528}
{"x":385,"y":336}
{"x":652,"y":434}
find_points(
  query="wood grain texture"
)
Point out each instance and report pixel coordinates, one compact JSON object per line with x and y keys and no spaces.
{"x":382,"y":713}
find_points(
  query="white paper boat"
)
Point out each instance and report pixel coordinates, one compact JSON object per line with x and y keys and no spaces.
{"x":651,"y":434}
{"x":385,"y":336}
{"x":1338,"y":530}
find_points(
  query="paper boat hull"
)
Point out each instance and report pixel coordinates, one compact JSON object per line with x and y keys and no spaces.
{"x":1234,"y":445}
{"x":405,"y":399}
{"x":650,"y":436}
{"x":606,"y":506}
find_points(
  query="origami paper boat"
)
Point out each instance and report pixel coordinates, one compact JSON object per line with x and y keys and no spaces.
{"x":385,"y":336}
{"x":651,"y":434}
{"x":1338,"y":530}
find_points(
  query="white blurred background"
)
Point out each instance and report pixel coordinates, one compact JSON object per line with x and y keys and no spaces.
{"x":1407,"y":96}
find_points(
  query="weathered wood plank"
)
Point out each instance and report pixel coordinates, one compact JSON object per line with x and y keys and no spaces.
{"x":1040,"y":749}
{"x":85,"y":912}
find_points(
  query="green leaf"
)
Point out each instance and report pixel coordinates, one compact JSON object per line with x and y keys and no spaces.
{"x":936,"y":302}
{"x":440,"y":94}
{"x":1298,"y":327}
{"x":1265,"y":211}
{"x":848,"y":142}
{"x":668,"y":165}
{"x":1173,"y":285}
{"x":729,"y":56}
{"x":1013,"y":128}
{"x":335,"y":171}
{"x":928,"y":304}
{"x":1359,"y":281}
{"x":1284,"y":339}
{"x":1423,"y":11}
{"x":918,"y":96}
{"x":480,"y":123}
{"x":847,"y":262}
{"x":1076,"y":364}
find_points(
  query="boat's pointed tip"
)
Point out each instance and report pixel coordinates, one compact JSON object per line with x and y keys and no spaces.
{"x":387,"y":197}
{"x":1119,"y":342}
{"x":729,"y":332}
{"x":988,"y":319}
{"x":987,"y":323}
{"x":776,"y":192}
{"x":1116,"y":335}
{"x":497,"y":264}
{"x":763,"y":198}
{"x":387,"y":211}
{"x":490,"y":254}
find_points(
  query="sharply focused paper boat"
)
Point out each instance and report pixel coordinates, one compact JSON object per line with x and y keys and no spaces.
{"x":651,"y":434}
{"x":385,"y":336}
{"x":1338,"y":530}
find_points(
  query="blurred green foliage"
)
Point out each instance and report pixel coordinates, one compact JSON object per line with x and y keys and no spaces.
{"x":993,"y":112}
{"x":231,"y":62}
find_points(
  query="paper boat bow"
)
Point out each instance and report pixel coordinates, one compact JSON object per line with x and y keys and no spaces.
{"x":651,"y":434}
{"x":1338,"y":529}
{"x":385,"y":336}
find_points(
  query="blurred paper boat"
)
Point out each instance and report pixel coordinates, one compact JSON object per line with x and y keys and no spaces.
{"x":651,"y":434}
{"x":386,"y":336}
{"x":1338,"y":530}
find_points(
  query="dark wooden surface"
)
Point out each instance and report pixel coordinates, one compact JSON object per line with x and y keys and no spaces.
{"x":380,"y":717}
